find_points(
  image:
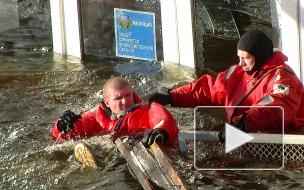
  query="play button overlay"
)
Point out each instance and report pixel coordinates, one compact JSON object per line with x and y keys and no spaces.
{"x":241,"y":150}
{"x":235,"y":138}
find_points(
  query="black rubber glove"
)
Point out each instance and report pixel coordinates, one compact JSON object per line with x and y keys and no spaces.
{"x":221,"y":135}
{"x":67,"y":120}
{"x":239,"y":124}
{"x":158,"y":135}
{"x":160,"y":98}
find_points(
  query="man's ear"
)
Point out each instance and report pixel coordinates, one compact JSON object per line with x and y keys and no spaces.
{"x":106,"y":102}
{"x":106,"y":107}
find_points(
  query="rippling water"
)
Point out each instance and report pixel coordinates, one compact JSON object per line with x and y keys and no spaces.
{"x":37,"y":87}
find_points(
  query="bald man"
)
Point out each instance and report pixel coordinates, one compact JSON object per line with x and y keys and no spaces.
{"x":121,"y":112}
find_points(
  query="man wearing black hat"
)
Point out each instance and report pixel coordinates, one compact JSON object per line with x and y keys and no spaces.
{"x":260,"y":79}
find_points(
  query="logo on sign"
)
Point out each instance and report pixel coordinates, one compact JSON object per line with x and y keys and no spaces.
{"x":124,"y":21}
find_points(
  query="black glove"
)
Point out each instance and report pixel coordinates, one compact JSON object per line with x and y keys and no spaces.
{"x":162,"y":99}
{"x":67,"y":120}
{"x":221,"y":135}
{"x":158,"y":135}
{"x":239,"y":124}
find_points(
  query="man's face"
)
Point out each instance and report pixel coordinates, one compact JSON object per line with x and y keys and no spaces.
{"x":247,"y":61}
{"x":119,"y":100}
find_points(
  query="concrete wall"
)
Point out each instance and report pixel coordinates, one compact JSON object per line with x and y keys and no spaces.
{"x":9,"y":16}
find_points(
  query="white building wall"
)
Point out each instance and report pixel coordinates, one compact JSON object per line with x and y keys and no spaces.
{"x":301,"y":24}
{"x":169,"y":31}
{"x":290,"y":34}
{"x":72,"y":30}
{"x":185,"y":32}
{"x":65,"y":27}
{"x":177,"y":30}
{"x":56,"y":28}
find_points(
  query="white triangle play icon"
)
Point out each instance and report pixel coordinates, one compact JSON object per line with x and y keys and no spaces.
{"x":235,"y":138}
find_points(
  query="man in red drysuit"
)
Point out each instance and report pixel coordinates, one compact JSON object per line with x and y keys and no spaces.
{"x":262,"y":78}
{"x":120,"y":112}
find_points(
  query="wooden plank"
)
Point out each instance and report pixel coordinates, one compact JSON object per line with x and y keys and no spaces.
{"x":167,"y":167}
{"x":152,"y":168}
{"x":133,"y":163}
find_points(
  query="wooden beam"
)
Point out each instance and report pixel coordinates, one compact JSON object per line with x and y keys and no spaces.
{"x":152,"y":167}
{"x":133,"y":163}
{"x":167,"y":167}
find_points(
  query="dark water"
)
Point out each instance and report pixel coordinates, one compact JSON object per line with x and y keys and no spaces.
{"x":37,"y":87}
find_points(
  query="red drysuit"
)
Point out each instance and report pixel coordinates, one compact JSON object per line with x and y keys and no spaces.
{"x":99,"y":121}
{"x":279,"y":88}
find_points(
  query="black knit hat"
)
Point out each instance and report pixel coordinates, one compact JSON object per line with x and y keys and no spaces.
{"x":257,"y":44}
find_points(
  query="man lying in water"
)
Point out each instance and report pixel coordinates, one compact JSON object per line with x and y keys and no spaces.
{"x":121,"y":113}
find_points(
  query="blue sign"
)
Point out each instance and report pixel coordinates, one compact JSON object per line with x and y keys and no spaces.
{"x":135,"y":34}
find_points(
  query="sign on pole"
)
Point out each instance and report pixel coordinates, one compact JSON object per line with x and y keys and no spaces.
{"x":135,"y":34}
